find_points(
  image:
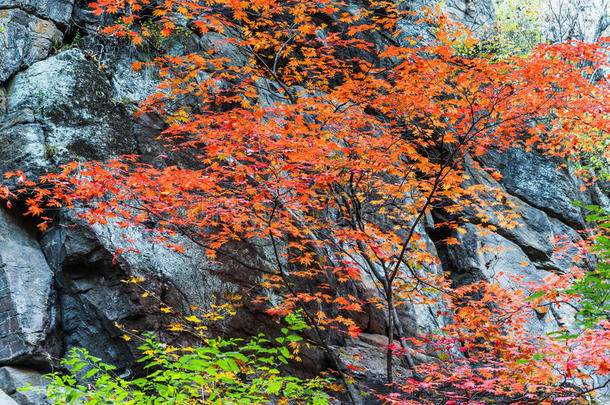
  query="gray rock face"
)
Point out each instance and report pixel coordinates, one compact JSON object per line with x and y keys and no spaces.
{"x":368,"y":357}
{"x":24,"y":39}
{"x":62,"y":109}
{"x":535,"y":227}
{"x":539,"y":181}
{"x":58,"y":11}
{"x":476,"y":15}
{"x":36,"y":396}
{"x":489,"y":256}
{"x":13,"y":378}
{"x":2,"y":101}
{"x":66,"y":108}
{"x":92,"y":296}
{"x":6,"y":400}
{"x":27,"y":311}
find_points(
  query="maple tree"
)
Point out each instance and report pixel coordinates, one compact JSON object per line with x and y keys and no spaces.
{"x":332,"y":149}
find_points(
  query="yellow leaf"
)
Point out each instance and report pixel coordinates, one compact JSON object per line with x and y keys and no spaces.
{"x":176,"y":327}
{"x":193,"y":319}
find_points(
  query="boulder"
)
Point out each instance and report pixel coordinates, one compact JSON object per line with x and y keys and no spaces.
{"x":24,"y":39}
{"x":58,"y":11}
{"x":14,"y":378}
{"x":541,"y":181}
{"x":6,"y":400}
{"x":59,"y":110}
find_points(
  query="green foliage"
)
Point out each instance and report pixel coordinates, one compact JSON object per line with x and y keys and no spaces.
{"x":594,"y":288}
{"x":491,"y":47}
{"x":518,"y":26}
{"x":50,"y":151}
{"x":596,"y":162}
{"x":158,"y":40}
{"x":59,"y":46}
{"x":517,"y":31}
{"x":221,"y":371}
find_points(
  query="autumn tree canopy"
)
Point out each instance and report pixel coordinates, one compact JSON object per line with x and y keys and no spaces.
{"x":311,"y":137}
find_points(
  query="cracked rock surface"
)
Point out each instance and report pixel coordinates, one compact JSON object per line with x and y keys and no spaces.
{"x":61,"y":102}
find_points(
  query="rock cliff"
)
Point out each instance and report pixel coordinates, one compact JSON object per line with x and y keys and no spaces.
{"x":67,"y":93}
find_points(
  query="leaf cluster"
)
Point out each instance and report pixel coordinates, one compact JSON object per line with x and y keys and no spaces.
{"x":221,"y":371}
{"x":594,"y":287}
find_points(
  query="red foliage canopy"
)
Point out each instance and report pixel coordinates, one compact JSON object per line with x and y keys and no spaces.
{"x":334,"y":148}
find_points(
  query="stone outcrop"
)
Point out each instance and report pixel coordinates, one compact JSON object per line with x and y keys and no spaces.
{"x":58,"y":11}
{"x":63,"y":288}
{"x":6,"y":400}
{"x":27,"y":298}
{"x":13,"y":378}
{"x":50,"y":119}
{"x":24,"y":39}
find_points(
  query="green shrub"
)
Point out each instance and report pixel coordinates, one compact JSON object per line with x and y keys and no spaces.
{"x":221,"y":371}
{"x":594,"y":287}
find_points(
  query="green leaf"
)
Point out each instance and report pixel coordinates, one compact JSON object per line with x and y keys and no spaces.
{"x":228,"y":365}
{"x":238,"y":356}
{"x":535,"y":295}
{"x":92,"y":372}
{"x":182,"y":379}
{"x":275,"y":387}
